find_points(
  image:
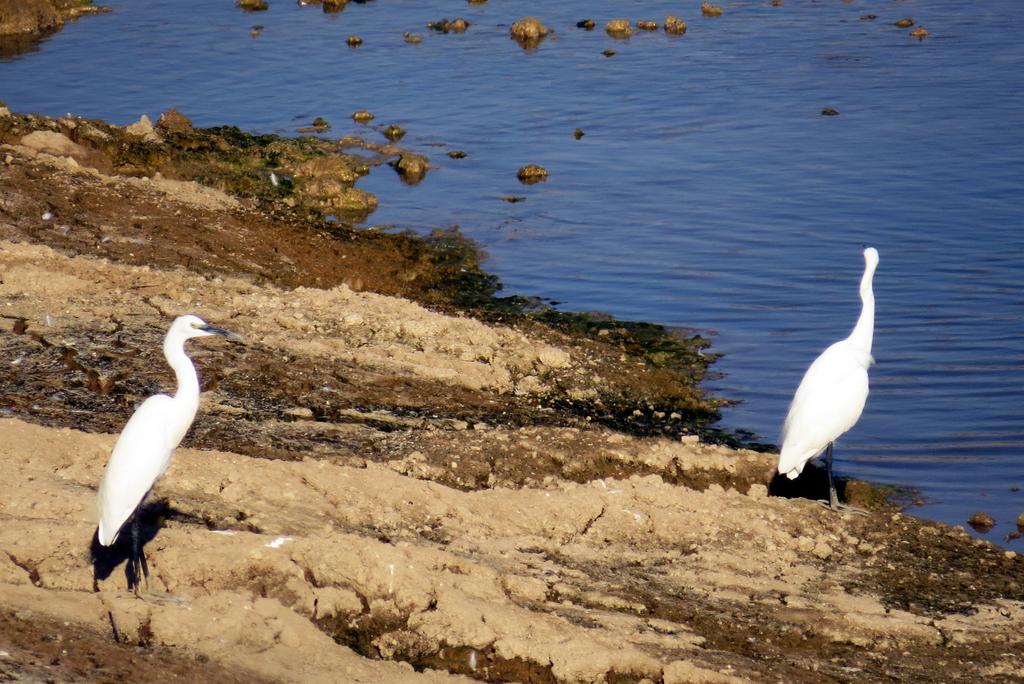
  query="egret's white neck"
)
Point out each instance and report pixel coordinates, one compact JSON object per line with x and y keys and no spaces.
{"x":184,"y":371}
{"x":864,"y":331}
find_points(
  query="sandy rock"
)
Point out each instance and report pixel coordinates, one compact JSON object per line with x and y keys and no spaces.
{"x":143,"y":128}
{"x":53,"y":143}
{"x":686,"y":672}
{"x":331,"y":166}
{"x":618,"y":28}
{"x":174,"y":121}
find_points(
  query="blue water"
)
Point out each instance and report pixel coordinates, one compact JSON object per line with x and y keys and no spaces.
{"x":708,"y":191}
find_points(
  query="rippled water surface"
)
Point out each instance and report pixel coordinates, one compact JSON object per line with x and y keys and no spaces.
{"x":708,"y":191}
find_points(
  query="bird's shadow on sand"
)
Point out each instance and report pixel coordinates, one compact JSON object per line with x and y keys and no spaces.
{"x":812,"y":484}
{"x":105,"y":559}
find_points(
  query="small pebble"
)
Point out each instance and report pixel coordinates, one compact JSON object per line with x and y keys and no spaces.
{"x":412,"y":38}
{"x":394,"y":132}
{"x":578,"y":133}
{"x":354,"y":41}
{"x":904,"y":23}
{"x":829,"y":111}
{"x":586,"y":24}
{"x":920,"y":33}
{"x":457,"y":154}
{"x":362,"y":116}
{"x":646,"y":25}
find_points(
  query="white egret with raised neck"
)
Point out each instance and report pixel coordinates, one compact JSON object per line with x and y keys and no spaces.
{"x":832,"y":394}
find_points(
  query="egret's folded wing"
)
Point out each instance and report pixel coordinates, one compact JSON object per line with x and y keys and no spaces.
{"x":140,"y":455}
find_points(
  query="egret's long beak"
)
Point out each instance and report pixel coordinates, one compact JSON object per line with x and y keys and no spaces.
{"x":234,"y":337}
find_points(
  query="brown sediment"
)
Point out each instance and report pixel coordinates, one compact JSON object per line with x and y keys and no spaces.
{"x":401,"y":476}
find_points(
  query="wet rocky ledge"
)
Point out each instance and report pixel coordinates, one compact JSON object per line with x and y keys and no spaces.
{"x":403,"y":475}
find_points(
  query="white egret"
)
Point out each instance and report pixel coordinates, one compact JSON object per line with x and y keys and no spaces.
{"x":831,"y":396}
{"x":143,"y":450}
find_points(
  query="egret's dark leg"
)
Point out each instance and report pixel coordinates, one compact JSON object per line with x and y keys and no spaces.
{"x":137,"y":568}
{"x":138,"y":555}
{"x":833,"y":498}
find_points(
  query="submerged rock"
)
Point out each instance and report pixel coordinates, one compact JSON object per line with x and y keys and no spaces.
{"x":647,"y":25}
{"x":333,"y":6}
{"x":319,"y":125}
{"x":904,"y":23}
{"x":457,"y":154}
{"x":618,"y":28}
{"x":394,"y":132}
{"x":578,"y":133}
{"x":675,"y":25}
{"x":709,"y":10}
{"x":458,"y":25}
{"x":354,"y":41}
{"x":411,"y":168}
{"x":920,"y":33}
{"x":586,"y":24}
{"x":829,"y":111}
{"x":532,"y":173}
{"x":528,"y":32}
{"x":362,"y":116}
{"x":981,"y":521}
{"x":412,"y":38}
{"x":253,"y":5}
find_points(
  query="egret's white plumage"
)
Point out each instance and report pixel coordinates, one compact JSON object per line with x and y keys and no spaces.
{"x":143,"y":450}
{"x":831,"y":396}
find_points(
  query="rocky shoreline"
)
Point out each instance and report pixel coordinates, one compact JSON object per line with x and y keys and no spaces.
{"x":403,"y":476}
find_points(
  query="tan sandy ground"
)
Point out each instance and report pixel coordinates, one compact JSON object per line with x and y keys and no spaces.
{"x":442,"y":521}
